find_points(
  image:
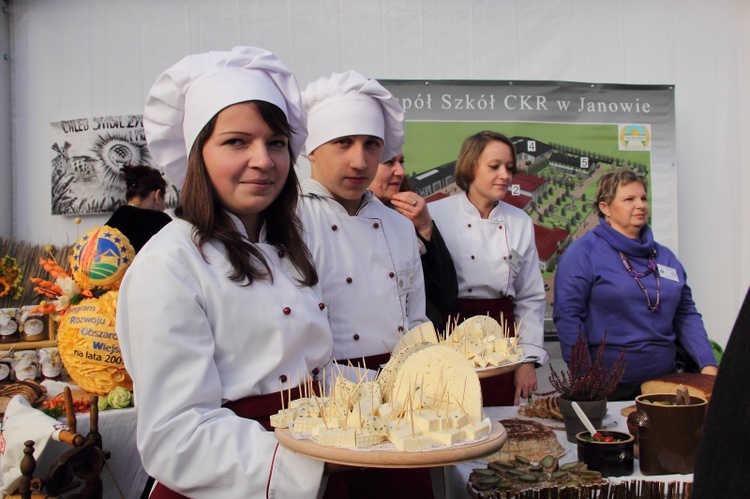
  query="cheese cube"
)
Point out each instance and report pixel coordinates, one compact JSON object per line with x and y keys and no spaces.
{"x":368,"y":439}
{"x":388,"y":411}
{"x":480,"y":361}
{"x":337,"y":437}
{"x":445,"y":437}
{"x":394,"y":430}
{"x":374,"y":425}
{"x":284,"y":418}
{"x":457,"y":419}
{"x":425,"y":421}
{"x":308,"y":425}
{"x":496,"y":359}
{"x":413,"y":443}
{"x":476,"y":430}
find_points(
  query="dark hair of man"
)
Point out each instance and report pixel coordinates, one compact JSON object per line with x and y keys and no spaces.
{"x":200,"y":206}
{"x":471,"y":150}
{"x":142,"y":180}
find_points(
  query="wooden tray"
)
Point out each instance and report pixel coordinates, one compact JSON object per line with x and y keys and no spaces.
{"x":489,"y":372}
{"x":393,"y":458}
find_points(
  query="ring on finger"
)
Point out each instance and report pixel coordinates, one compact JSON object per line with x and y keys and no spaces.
{"x":414,"y":203}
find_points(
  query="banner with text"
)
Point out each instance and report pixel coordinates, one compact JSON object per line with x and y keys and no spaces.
{"x":566,"y":134}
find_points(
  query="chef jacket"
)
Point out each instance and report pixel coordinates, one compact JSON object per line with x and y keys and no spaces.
{"x":494,"y":258}
{"x":193,"y":340}
{"x":369,"y":269}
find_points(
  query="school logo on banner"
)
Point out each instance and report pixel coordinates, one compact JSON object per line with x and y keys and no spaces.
{"x":635,"y":137}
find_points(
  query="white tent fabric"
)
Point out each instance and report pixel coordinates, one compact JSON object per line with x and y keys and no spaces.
{"x":99,"y":57}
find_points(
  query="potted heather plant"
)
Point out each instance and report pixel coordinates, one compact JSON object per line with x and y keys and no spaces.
{"x":588,"y":382}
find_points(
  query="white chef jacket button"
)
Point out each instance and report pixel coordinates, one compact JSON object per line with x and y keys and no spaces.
{"x":391,"y":275}
{"x":400,"y":329}
{"x":282,"y":378}
{"x":287,"y":310}
{"x":505,"y":258}
{"x":348,"y":280}
{"x":468,"y":225}
{"x":315,"y":371}
{"x":282,"y":253}
{"x":501,"y":294}
{"x":321,"y":305}
{"x":356,"y":337}
{"x":472,"y":257}
{"x":469,"y":290}
{"x":334,"y":227}
{"x":500,"y":227}
{"x":375,"y":225}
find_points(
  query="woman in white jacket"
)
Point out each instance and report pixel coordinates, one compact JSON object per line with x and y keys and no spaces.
{"x":493,"y":249}
{"x":221,"y":309}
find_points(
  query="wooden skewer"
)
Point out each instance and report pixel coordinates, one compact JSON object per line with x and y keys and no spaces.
{"x":322,"y":413}
{"x":462,"y":408}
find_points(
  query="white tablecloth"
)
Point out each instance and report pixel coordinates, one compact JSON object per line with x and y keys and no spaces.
{"x":455,"y":477}
{"x":123,"y":475}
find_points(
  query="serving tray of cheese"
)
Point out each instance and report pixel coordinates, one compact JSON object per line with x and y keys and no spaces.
{"x":423,"y":409}
{"x":385,"y":455}
{"x":484,"y":341}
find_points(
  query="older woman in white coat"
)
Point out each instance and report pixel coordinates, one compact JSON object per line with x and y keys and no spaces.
{"x":220,"y":310}
{"x":492,"y":245}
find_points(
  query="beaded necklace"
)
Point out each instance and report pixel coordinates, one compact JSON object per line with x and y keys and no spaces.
{"x":639,"y":275}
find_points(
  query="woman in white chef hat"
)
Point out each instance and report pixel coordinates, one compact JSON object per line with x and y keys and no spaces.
{"x":492,"y":245}
{"x":220,"y":310}
{"x":366,"y":254}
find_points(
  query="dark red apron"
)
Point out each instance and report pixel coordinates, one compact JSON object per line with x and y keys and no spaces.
{"x":496,"y":390}
{"x":373,"y":362}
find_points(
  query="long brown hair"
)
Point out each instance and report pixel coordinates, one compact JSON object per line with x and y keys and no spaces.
{"x":200,"y":206}
{"x":471,"y":150}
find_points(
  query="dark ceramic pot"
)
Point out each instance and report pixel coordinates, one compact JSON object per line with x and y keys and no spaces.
{"x":668,"y":435}
{"x":608,"y":458}
{"x":595,"y":410}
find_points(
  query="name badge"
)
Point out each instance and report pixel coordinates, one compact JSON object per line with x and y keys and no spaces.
{"x":514,"y":260}
{"x":668,"y":273}
{"x":405,"y":282}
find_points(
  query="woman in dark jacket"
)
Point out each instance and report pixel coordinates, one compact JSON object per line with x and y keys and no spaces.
{"x":143,"y":215}
{"x":392,"y":188}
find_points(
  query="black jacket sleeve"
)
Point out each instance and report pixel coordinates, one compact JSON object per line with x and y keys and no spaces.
{"x":440,"y":281}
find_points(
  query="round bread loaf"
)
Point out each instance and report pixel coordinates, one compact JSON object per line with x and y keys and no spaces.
{"x":698,"y":385}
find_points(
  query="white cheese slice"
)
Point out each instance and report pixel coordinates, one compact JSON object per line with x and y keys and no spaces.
{"x":440,"y":374}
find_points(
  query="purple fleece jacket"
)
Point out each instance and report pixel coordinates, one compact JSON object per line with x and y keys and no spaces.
{"x":594,"y":289}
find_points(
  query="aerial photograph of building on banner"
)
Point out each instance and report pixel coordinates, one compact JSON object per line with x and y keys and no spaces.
{"x":559,"y":162}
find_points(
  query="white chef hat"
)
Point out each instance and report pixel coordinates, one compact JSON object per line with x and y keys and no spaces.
{"x":186,"y":96}
{"x":352,"y":104}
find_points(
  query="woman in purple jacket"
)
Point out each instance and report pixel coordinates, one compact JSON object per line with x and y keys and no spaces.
{"x":617,"y":280}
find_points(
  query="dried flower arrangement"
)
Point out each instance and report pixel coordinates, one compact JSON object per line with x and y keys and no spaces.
{"x":10,"y":277}
{"x":587,"y":380}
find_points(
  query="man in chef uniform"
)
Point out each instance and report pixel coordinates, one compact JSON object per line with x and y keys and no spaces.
{"x":366,"y":254}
